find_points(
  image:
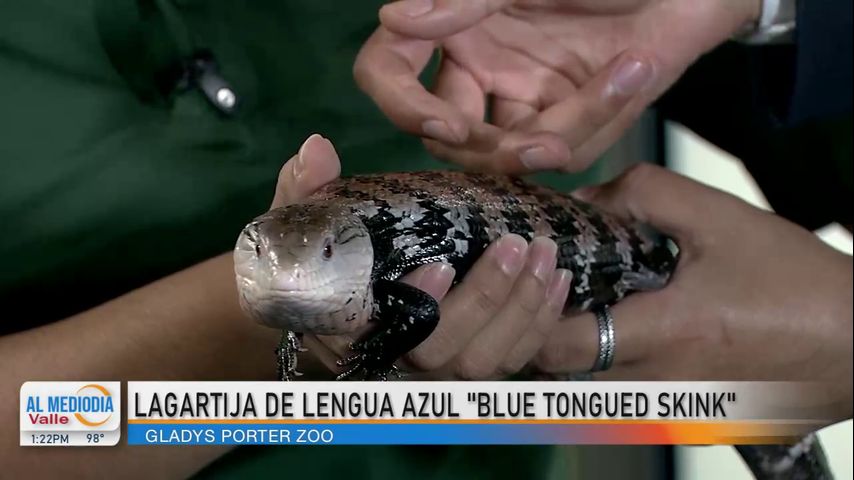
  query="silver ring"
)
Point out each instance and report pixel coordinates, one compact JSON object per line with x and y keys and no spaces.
{"x":606,"y":340}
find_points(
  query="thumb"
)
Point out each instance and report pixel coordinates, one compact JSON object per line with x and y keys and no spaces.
{"x":674,"y":204}
{"x":435,"y":19}
{"x":314,"y":166}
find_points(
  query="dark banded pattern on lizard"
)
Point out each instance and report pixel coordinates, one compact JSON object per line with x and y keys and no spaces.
{"x":332,"y":263}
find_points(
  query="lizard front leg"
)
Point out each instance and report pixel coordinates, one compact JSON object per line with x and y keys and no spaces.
{"x":286,"y":355}
{"x":406,"y":315}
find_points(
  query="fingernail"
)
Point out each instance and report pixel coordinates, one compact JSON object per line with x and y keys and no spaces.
{"x":411,"y":8}
{"x":299,"y":165}
{"x":631,"y":77}
{"x":439,"y":130}
{"x":539,"y":158}
{"x":542,"y":258}
{"x":559,"y":288}
{"x":585,"y":193}
{"x":442,"y":272}
{"x":510,"y":252}
{"x":437,"y":279}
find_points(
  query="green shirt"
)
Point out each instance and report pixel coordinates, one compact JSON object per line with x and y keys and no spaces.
{"x":106,"y":181}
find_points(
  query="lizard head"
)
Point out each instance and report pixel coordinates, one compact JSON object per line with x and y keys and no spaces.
{"x":306,"y":268}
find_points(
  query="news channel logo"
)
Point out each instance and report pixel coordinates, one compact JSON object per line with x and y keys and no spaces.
{"x":71,"y":413}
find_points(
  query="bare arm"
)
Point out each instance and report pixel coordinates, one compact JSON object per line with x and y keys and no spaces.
{"x":187,"y":326}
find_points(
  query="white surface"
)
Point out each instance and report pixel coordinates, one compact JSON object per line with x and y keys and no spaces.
{"x":696,"y":158}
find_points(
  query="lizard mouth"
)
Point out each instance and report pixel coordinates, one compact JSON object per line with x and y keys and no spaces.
{"x":271,"y":287}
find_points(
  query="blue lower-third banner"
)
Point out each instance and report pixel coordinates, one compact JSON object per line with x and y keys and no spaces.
{"x":460,"y":433}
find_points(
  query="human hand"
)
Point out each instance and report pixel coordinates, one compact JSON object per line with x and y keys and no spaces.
{"x":493,"y":322}
{"x":562,"y":79}
{"x":754,"y":297}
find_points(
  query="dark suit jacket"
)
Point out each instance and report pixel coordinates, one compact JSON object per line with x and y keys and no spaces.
{"x":785,"y":110}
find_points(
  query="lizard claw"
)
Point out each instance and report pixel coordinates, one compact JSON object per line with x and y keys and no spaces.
{"x":350,"y":373}
{"x":349,"y":360}
{"x":359,"y":363}
{"x":397,"y":372}
{"x":286,"y":355}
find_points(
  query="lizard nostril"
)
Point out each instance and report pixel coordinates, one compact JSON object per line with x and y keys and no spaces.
{"x":288,"y":280}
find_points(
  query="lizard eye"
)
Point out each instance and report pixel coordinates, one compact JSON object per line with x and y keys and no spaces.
{"x":327,"y":250}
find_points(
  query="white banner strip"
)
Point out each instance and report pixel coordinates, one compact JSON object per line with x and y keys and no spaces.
{"x":160,"y":402}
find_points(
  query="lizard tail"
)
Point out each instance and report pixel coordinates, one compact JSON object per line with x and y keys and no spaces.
{"x":805,"y":460}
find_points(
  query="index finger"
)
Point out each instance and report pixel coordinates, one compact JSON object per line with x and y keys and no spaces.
{"x":387,"y":70}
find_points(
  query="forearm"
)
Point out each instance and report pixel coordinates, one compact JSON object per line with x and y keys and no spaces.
{"x":187,"y":326}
